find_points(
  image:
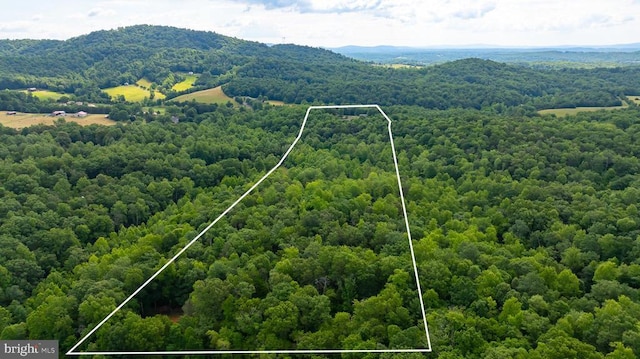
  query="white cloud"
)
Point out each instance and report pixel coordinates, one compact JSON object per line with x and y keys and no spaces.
{"x":340,"y":6}
{"x":474,"y":12}
{"x":98,"y":11}
{"x":14,"y":26}
{"x":342,"y":22}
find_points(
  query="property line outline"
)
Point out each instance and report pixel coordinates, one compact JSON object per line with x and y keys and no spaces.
{"x":224,"y":213}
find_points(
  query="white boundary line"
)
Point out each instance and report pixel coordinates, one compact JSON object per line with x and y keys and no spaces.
{"x":238,"y":352}
{"x":319,"y":351}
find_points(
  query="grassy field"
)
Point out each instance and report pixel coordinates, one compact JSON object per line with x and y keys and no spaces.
{"x":22,"y":120}
{"x":275,"y":103}
{"x":188,"y":82}
{"x":144,"y":83}
{"x":214,"y":95}
{"x":155,"y":109}
{"x":46,"y":95}
{"x":634,"y":98}
{"x":561,"y":112}
{"x":131,"y":93}
{"x":399,"y":66}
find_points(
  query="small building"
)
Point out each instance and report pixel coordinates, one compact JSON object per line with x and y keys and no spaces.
{"x":58,"y":113}
{"x":175,"y":119}
{"x":32,"y":89}
{"x":11,"y":113}
{"x":81,"y":114}
{"x":190,"y":72}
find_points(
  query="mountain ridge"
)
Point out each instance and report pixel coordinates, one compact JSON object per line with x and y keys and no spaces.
{"x":86,"y":64}
{"x":634,"y":46}
{"x":568,"y":56}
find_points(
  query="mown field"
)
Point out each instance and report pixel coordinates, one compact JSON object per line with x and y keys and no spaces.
{"x":22,"y":120}
{"x":561,"y":112}
{"x":186,"y":84}
{"x":144,"y":83}
{"x":131,"y":93}
{"x":634,"y":98}
{"x":46,"y":94}
{"x":213,"y":95}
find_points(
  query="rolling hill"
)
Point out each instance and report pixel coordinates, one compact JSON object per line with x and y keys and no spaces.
{"x":518,"y":237}
{"x":294,"y":74}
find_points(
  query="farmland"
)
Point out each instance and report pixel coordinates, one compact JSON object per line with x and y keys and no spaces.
{"x":634,"y":98}
{"x":186,"y":84}
{"x":46,"y":95}
{"x":213,"y":95}
{"x":131,"y":93}
{"x":144,"y":83}
{"x":561,"y":112}
{"x":22,"y":120}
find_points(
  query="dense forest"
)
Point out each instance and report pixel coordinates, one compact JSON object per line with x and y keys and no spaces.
{"x":525,"y":228}
{"x":84,"y":65}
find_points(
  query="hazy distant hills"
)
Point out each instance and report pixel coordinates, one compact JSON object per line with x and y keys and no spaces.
{"x":566,"y":56}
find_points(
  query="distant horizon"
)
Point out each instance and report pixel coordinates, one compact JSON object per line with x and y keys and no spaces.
{"x":333,"y":23}
{"x":617,"y":46}
{"x":634,"y":45}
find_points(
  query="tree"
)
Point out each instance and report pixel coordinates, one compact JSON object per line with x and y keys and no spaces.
{"x":568,"y":283}
{"x":52,"y":319}
{"x":558,"y":344}
{"x":613,"y":319}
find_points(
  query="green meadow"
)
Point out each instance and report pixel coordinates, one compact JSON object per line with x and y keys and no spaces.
{"x":131,"y":93}
{"x":561,"y":112}
{"x":213,"y":95}
{"x":186,"y":84}
{"x":144,"y":83}
{"x":634,"y":98}
{"x":46,"y":94}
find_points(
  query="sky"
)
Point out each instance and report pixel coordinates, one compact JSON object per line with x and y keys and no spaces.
{"x":334,"y":23}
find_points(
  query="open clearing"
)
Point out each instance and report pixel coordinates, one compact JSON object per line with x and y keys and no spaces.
{"x":46,"y":94}
{"x":131,"y":93}
{"x":400,"y":66}
{"x":156,"y":109}
{"x":561,"y":112}
{"x":634,"y":98}
{"x":188,"y":82}
{"x":214,"y":95}
{"x":22,"y":120}
{"x":144,"y":83}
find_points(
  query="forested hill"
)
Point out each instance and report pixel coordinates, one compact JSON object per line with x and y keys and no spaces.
{"x":293,"y":74}
{"x":124,"y":55}
{"x":525,"y":229}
